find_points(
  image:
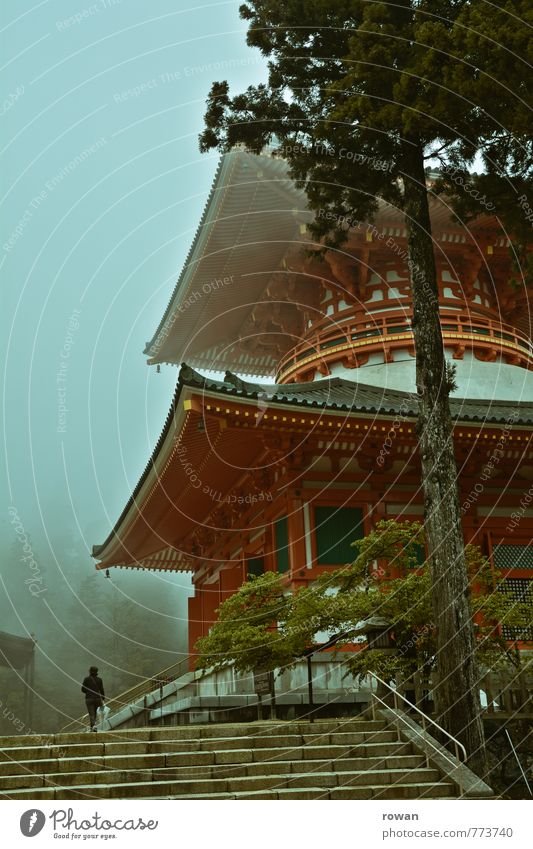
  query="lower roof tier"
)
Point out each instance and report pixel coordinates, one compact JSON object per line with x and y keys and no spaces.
{"x":230,"y":447}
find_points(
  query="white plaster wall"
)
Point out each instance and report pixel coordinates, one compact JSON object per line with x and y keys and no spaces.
{"x":475,"y":379}
{"x":327,"y":675}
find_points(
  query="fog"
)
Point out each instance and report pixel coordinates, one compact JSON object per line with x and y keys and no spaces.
{"x":102,"y":190}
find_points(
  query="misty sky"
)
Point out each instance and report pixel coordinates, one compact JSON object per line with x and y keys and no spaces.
{"x":102,"y":190}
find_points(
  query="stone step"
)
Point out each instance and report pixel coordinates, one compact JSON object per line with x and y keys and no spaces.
{"x":98,"y":748}
{"x":106,"y":775}
{"x":196,"y":732}
{"x":187,"y":789}
{"x":202,"y":759}
{"x":442,"y":790}
{"x":328,"y":759}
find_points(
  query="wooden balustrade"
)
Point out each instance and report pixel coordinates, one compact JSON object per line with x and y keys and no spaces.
{"x":352,"y":340}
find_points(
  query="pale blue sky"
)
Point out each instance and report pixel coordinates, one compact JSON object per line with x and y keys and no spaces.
{"x":102,"y":190}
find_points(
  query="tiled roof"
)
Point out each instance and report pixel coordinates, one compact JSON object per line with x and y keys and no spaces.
{"x":351,"y":396}
{"x":250,"y":220}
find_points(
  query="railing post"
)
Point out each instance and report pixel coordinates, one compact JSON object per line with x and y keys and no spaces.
{"x":425,"y":741}
{"x":524,"y":776}
{"x":310,"y":688}
{"x":460,"y":771}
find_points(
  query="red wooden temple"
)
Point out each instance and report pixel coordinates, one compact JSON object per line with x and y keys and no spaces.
{"x":249,"y":476}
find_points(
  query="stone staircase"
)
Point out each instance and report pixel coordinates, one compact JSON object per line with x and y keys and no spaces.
{"x":329,"y":759}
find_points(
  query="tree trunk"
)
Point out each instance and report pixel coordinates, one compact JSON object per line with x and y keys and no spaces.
{"x":456,"y":687}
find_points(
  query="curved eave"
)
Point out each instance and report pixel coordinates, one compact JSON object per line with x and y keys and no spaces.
{"x":100,"y":552}
{"x":250,"y":220}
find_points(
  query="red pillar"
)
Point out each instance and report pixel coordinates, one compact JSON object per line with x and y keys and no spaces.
{"x":297,"y":555}
{"x":195,"y":619}
{"x":210,"y":602}
{"x":231,"y":580}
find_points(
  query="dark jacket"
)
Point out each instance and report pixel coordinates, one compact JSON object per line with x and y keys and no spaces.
{"x":93,"y":688}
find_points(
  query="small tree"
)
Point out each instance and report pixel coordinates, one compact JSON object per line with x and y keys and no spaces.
{"x":390,"y":578}
{"x":251,"y":630}
{"x":264,"y":626}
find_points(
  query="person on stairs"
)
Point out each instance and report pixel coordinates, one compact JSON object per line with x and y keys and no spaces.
{"x":93,"y":688}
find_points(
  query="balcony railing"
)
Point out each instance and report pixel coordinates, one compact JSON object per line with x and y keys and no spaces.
{"x":353,"y":340}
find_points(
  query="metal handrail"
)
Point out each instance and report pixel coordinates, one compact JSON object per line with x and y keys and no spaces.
{"x":422,"y":714}
{"x":166,"y":676}
{"x":458,"y":746}
{"x":425,"y":738}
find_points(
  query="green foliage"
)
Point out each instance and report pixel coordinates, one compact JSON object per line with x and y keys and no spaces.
{"x":251,"y":630}
{"x":446,"y":77}
{"x":262,"y":625}
{"x":387,"y":580}
{"x":384,"y":580}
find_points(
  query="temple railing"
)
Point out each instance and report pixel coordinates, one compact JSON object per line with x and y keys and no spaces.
{"x":352,"y":340}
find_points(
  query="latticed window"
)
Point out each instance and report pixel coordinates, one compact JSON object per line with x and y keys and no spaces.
{"x":521,"y":589}
{"x":507,"y":557}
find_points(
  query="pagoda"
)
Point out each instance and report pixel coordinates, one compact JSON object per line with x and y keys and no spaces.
{"x":310,"y":436}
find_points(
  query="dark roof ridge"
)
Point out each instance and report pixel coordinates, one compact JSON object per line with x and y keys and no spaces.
{"x":492,"y":402}
{"x":201,"y":224}
{"x":97,"y":549}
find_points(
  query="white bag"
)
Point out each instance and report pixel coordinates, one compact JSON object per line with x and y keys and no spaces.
{"x":102,"y":718}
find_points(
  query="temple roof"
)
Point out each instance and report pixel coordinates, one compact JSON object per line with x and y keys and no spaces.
{"x":251,"y":218}
{"x":331,"y":394}
{"x":351,"y":396}
{"x":251,"y":235}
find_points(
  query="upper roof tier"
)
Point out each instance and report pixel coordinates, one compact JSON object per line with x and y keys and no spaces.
{"x":240,"y":300}
{"x":251,"y":219}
